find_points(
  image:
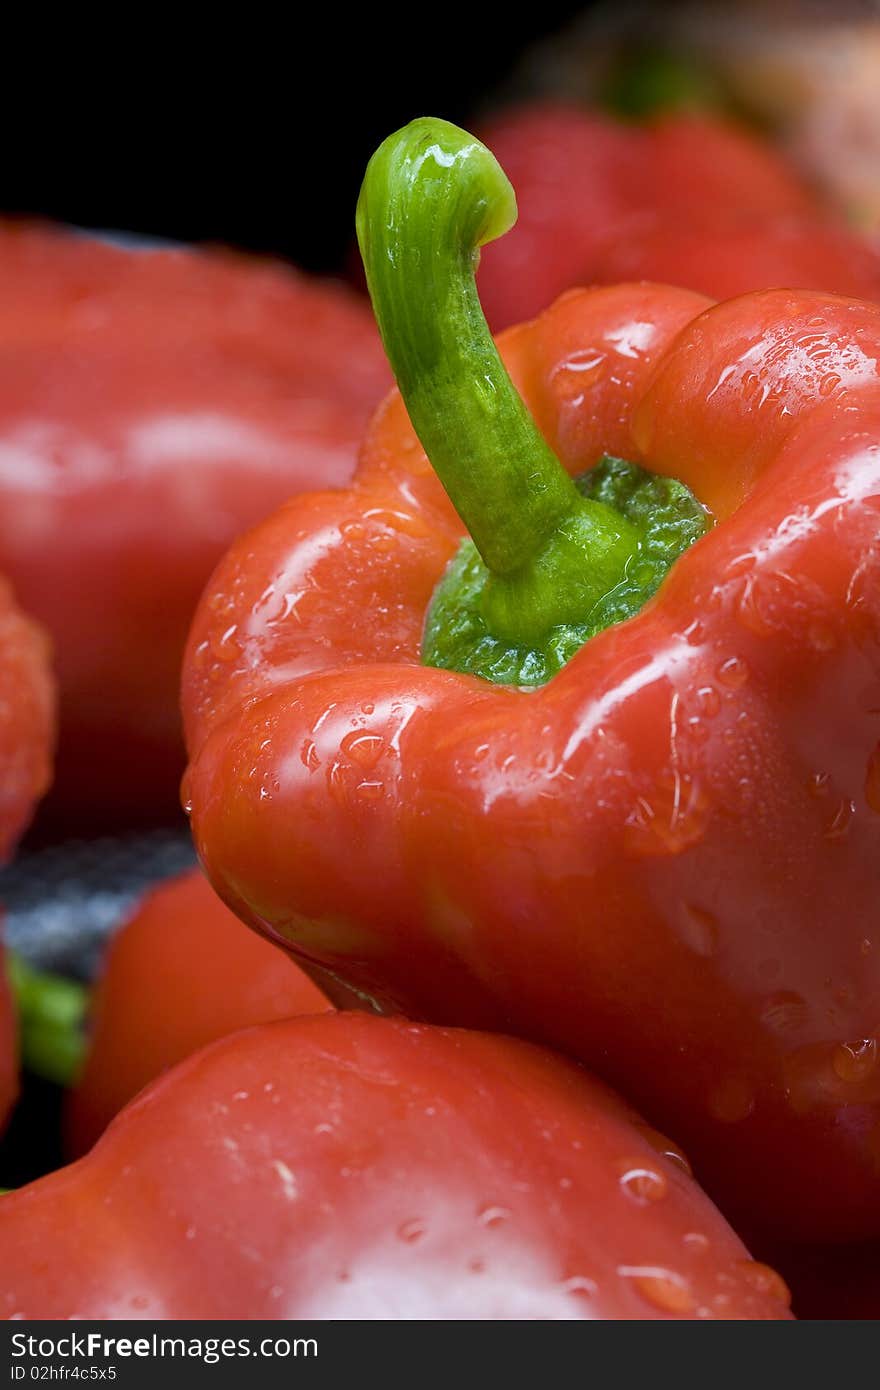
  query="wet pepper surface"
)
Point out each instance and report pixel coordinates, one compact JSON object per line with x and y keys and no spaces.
{"x":639,"y":861}
{"x":346,"y":1166}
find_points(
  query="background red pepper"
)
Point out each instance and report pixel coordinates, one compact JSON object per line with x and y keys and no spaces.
{"x":723,"y":257}
{"x":687,"y":200}
{"x":152,"y":404}
{"x":347,"y":1166}
{"x":180,"y":973}
{"x":27,"y":732}
{"x":666,"y":860}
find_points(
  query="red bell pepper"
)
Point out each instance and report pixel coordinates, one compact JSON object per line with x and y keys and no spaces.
{"x":688,"y":200}
{"x":180,"y":973}
{"x":27,"y":731}
{"x":345,"y":1166}
{"x":665,"y":860}
{"x":152,"y":404}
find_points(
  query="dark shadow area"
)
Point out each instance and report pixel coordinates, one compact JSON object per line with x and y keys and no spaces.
{"x":256,"y":136}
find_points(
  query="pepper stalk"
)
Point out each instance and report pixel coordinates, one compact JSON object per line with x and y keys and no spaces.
{"x":551,"y":553}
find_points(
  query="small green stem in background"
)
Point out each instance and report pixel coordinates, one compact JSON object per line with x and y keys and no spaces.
{"x":51,"y":1020}
{"x":647,"y":81}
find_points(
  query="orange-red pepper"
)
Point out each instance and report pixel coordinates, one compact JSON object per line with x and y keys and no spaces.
{"x":666,"y":859}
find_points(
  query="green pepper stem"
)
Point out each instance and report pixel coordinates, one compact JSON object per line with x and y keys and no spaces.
{"x":51,"y":1018}
{"x":431,"y":196}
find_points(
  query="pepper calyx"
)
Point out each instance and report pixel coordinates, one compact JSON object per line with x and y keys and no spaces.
{"x":460,"y":633}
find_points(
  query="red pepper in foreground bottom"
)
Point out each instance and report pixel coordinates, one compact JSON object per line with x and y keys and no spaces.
{"x":666,"y":859}
{"x":27,"y":732}
{"x":346,"y":1166}
{"x":182,"y":972}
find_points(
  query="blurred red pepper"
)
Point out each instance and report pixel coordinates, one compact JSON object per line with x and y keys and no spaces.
{"x":345,"y":1166}
{"x":152,"y":405}
{"x":687,"y":200}
{"x":182,"y":972}
{"x":27,"y":733}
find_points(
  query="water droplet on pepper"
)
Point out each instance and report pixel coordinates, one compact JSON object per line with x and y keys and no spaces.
{"x":661,"y":1287}
{"x":854,"y":1062}
{"x":642,"y":1183}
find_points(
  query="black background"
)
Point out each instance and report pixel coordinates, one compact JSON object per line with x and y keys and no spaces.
{"x":251,"y":127}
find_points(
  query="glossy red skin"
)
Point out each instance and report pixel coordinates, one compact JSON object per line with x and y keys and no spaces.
{"x":181,"y":973}
{"x":346,"y":1166}
{"x":153,"y":405}
{"x":689,"y":200}
{"x":27,"y":735}
{"x":667,"y":860}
